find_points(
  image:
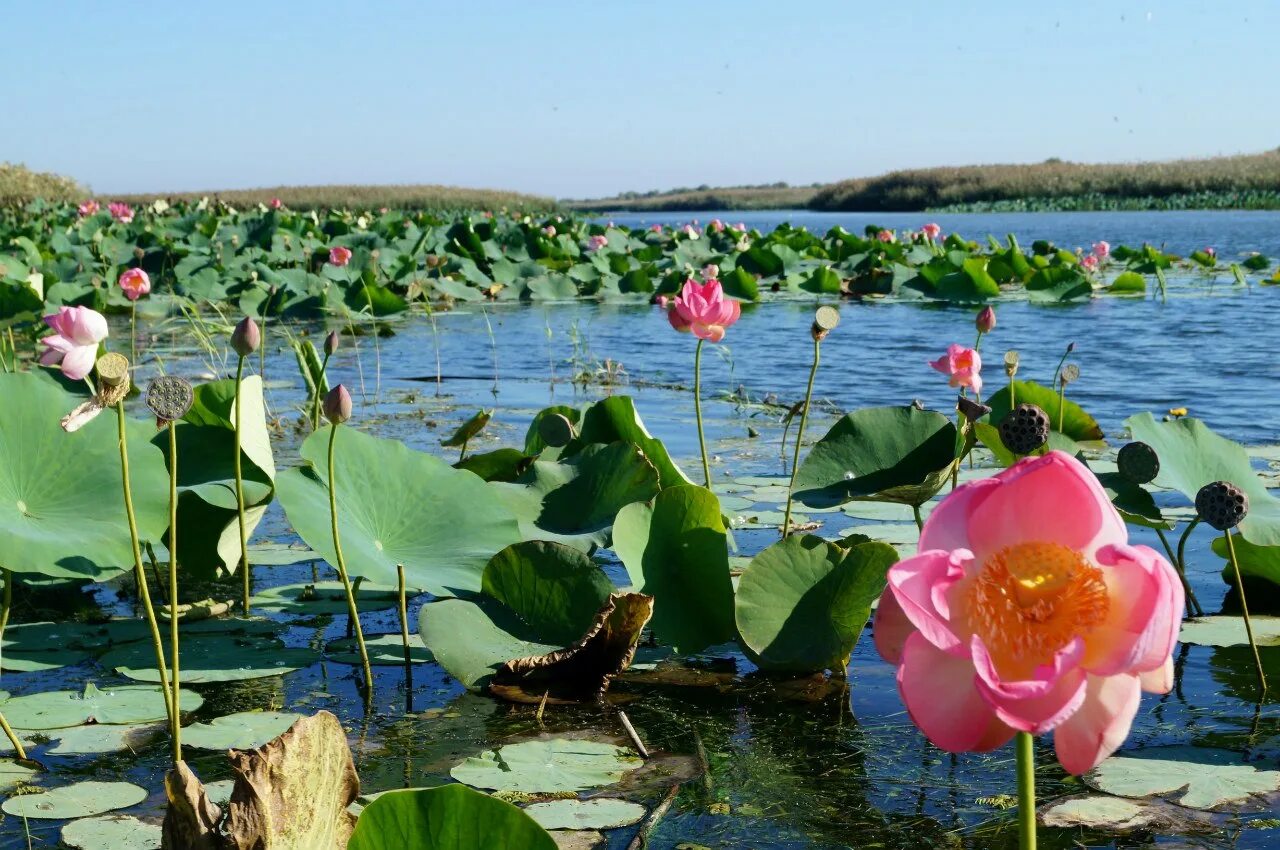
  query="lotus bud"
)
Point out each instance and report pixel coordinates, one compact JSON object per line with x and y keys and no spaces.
{"x":986,"y":321}
{"x":331,"y":343}
{"x":1138,"y":463}
{"x":432,"y":261}
{"x":337,"y":405}
{"x":1010,"y":363}
{"x":169,"y":398}
{"x":1222,"y":504}
{"x":1071,"y":346}
{"x":825,"y":320}
{"x":1024,"y":429}
{"x":246,"y":338}
{"x":138,"y":254}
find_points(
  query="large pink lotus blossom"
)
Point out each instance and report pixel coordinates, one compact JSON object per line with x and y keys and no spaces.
{"x":1101,"y":249}
{"x":339,"y":256}
{"x":962,"y":365}
{"x":135,"y":283}
{"x":931,"y":231}
{"x":1089,"y":262}
{"x":122,"y":213}
{"x":703,"y":309}
{"x":1027,"y":610}
{"x":74,"y":342}
{"x":595,"y":243}
{"x":88,"y":208}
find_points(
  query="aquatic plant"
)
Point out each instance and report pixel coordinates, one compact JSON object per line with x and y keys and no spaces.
{"x":245,"y":339}
{"x":825,"y":321}
{"x":73,"y":345}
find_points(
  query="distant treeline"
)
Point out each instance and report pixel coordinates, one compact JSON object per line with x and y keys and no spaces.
{"x":19,"y":184}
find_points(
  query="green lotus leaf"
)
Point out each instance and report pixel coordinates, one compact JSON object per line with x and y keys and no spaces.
{"x":397,"y":506}
{"x":54,"y":658}
{"x":61,"y":504}
{"x":79,"y":800}
{"x":471,"y":639}
{"x":451,"y":817}
{"x":803,"y":603}
{"x":214,"y":404}
{"x":547,"y":766}
{"x":1133,"y":501}
{"x":244,"y":730}
{"x":112,"y":832}
{"x":887,"y":454}
{"x":69,"y":636}
{"x":554,"y":588}
{"x":97,"y":738}
{"x":533,"y":442}
{"x":206,"y":465}
{"x":614,"y":419}
{"x":497,"y":465}
{"x":1076,"y":423}
{"x":473,"y":426}
{"x":121,"y":704}
{"x":386,"y":650}
{"x":1116,"y":814}
{"x":600,"y":813}
{"x":1261,"y":562}
{"x":1191,"y":456}
{"x":1127,"y":283}
{"x":676,"y":550}
{"x":13,"y":774}
{"x":1194,"y":777}
{"x":324,"y":597}
{"x":1222,"y":630}
{"x":213,"y":658}
{"x":989,"y":436}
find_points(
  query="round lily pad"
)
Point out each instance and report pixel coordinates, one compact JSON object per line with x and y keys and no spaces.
{"x":38,"y":662}
{"x":11,"y":773}
{"x":243,"y":730}
{"x":385,"y":649}
{"x":1194,"y":777}
{"x":102,"y":738}
{"x":325,"y":597}
{"x":1117,"y":814}
{"x":600,"y":813}
{"x":543,"y":767}
{"x":112,"y":832}
{"x":80,"y":800}
{"x":445,"y":818}
{"x":1229,"y":631}
{"x":214,"y":658}
{"x":123,"y":704}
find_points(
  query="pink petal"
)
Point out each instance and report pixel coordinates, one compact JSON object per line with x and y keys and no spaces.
{"x":942,"y":364}
{"x":1160,"y":680}
{"x":917,"y":582}
{"x":712,"y":333}
{"x":948,"y":524}
{"x":58,"y":343}
{"x":78,"y":362}
{"x":677,"y":321}
{"x":891,"y":628}
{"x":941,"y":696}
{"x":1142,"y":623}
{"x":1100,"y":725}
{"x":1040,"y":703}
{"x":1052,"y":498}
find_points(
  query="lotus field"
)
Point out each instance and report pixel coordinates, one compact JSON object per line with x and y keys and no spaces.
{"x":303,"y":549}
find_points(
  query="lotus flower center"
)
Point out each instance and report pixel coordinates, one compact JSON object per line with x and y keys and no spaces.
{"x":1032,"y":599}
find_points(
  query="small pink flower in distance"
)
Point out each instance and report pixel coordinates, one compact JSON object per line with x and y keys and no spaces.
{"x":655,"y":228}
{"x":122,"y":213}
{"x":710,"y":271}
{"x":135,"y":284}
{"x":691,"y":231}
{"x":962,"y":365}
{"x":1028,"y":608}
{"x":1089,"y":262}
{"x":715,"y":225}
{"x":741,"y":226}
{"x":986,"y":320}
{"x":931,"y":231}
{"x":276,"y":203}
{"x":73,"y":345}
{"x":88,"y":208}
{"x":663,"y":301}
{"x":1211,"y":252}
{"x":549,"y":231}
{"x":885,"y":236}
{"x":383,"y":210}
{"x":595,"y":243}
{"x":1101,"y":249}
{"x":703,"y":309}
{"x":339,"y":256}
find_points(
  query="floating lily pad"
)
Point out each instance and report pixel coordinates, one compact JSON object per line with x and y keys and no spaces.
{"x":112,"y":832}
{"x":325,"y":597}
{"x":1117,"y":814}
{"x":99,"y":738}
{"x":123,"y":704}
{"x":600,"y":813}
{"x":387,"y":650}
{"x":1229,"y":631}
{"x":451,"y":817}
{"x":544,"y":767}
{"x":244,"y":730}
{"x":397,"y":506}
{"x":59,"y":638}
{"x":884,"y":511}
{"x":12,"y":773}
{"x":214,"y":658}
{"x":80,"y":800}
{"x":280,"y":554}
{"x":1194,"y":777}
{"x":38,"y":662}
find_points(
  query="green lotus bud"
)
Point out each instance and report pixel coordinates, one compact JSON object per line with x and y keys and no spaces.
{"x":337,"y":405}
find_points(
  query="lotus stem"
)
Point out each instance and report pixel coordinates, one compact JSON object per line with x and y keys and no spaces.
{"x":435,"y":339}
{"x":1181,"y":562}
{"x":377,"y":347}
{"x":915,"y":510}
{"x":1193,"y":604}
{"x":404,"y":614}
{"x":144,"y":593}
{"x":4,"y":621}
{"x":244,"y":535}
{"x":322,"y":378}
{"x":173,"y":590}
{"x":133,"y":331}
{"x":804,"y":418}
{"x":463,"y":453}
{"x":493,"y":344}
{"x":1062,"y":400}
{"x":1025,"y":746}
{"x":355,"y":343}
{"x":342,"y":563}
{"x":697,"y":411}
{"x":1244,"y":610}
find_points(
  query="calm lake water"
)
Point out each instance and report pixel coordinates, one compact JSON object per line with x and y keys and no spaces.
{"x":845,"y":771}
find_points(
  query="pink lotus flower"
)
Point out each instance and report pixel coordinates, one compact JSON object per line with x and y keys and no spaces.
{"x":885,"y":236}
{"x":715,"y":225}
{"x":339,"y":256}
{"x":122,"y":213}
{"x":595,"y":243}
{"x":1211,"y":252}
{"x":549,"y":231}
{"x":986,"y":320}
{"x":1089,"y":262}
{"x":74,"y":342}
{"x":931,"y":231}
{"x":710,"y":272}
{"x":276,"y":203}
{"x":691,"y":231}
{"x":1101,"y":249}
{"x":741,"y":226}
{"x":655,"y":228}
{"x":703,"y":309}
{"x":962,"y":365}
{"x":135,"y":284}
{"x":88,"y":208}
{"x":1027,"y":610}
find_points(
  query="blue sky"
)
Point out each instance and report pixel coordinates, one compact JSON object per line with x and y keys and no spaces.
{"x":588,"y":98}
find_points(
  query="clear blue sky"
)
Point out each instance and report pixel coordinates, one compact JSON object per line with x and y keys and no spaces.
{"x":588,"y":98}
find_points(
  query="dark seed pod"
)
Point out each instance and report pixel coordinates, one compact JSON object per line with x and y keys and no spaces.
{"x":970,"y":409}
{"x":169,"y":398}
{"x":1024,"y":429}
{"x":1138,"y":463}
{"x":1222,"y":505}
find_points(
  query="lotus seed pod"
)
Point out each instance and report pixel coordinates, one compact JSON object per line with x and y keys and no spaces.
{"x":1011,"y":363}
{"x":113,"y":369}
{"x":331,"y":343}
{"x":246,"y":338}
{"x":432,"y":261}
{"x":986,"y":321}
{"x":970,"y":409}
{"x":1070,"y":373}
{"x":1222,"y":504}
{"x":555,"y":430}
{"x":1138,"y":463}
{"x":337,"y":405}
{"x":1025,"y":429}
{"x":825,"y":320}
{"x":169,"y":398}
